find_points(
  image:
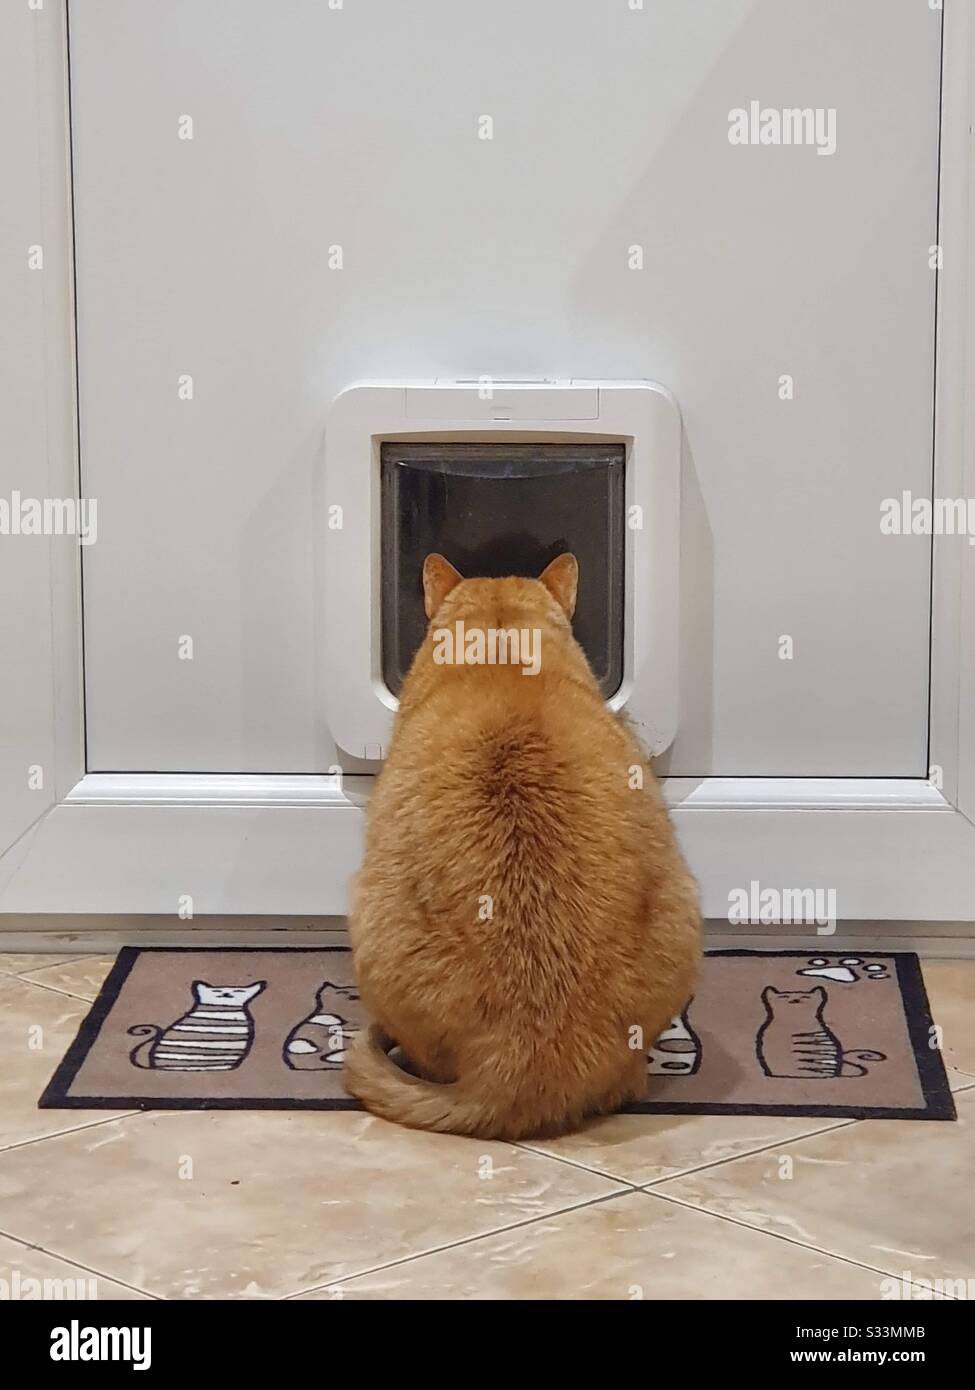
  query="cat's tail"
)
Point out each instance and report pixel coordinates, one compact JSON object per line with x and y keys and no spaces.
{"x":849,"y":1058}
{"x":139,"y":1056}
{"x":452,"y":1108}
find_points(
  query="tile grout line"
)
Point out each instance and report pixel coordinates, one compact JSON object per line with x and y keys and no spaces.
{"x":58,"y":959}
{"x":466,"y":1240}
{"x":767,"y":1148}
{"x":573,"y":1163}
{"x":52,"y":989}
{"x":52,"y":965}
{"x":682,"y":1172}
{"x":750,"y":1153}
{"x":76,"y":1264}
{"x":75,"y":1129}
{"x":776,"y":1235}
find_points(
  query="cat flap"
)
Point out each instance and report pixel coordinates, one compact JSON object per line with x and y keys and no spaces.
{"x":490,"y":510}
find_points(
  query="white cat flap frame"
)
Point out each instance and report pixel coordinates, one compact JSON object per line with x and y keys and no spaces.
{"x":641,"y":415}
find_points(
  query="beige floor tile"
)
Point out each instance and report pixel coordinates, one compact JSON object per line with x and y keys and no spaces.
{"x":629,"y":1247}
{"x":277,"y":1202}
{"x":33,"y":1274}
{"x":14,"y":964}
{"x":646,"y":1148}
{"x":36,"y":1028}
{"x":951,"y":990}
{"x":82,"y":977}
{"x":893,"y":1194}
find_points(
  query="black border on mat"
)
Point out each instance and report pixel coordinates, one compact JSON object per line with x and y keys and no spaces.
{"x":940,"y":1104}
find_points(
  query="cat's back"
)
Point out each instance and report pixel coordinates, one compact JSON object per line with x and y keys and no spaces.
{"x":514,"y":780}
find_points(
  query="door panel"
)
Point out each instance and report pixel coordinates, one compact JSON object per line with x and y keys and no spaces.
{"x":33,"y":466}
{"x":359,"y":128}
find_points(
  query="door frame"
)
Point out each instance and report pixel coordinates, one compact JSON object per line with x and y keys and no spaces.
{"x":890,"y":849}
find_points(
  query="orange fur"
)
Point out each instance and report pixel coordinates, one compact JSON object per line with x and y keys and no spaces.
{"x":515,"y":793}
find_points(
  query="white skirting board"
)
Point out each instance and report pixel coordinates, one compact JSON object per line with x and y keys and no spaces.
{"x":888,"y":851}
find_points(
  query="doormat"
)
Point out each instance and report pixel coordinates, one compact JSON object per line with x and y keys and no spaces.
{"x":767,"y":1033}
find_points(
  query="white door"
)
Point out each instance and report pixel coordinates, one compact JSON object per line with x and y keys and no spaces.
{"x":761,"y":204}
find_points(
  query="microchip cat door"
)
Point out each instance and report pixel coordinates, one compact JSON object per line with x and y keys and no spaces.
{"x":500,"y":480}
{"x":497,"y":509}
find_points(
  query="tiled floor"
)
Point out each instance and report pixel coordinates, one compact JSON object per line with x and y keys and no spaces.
{"x":340,"y":1205}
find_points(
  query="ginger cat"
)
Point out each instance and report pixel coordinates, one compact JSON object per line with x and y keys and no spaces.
{"x":523,"y":925}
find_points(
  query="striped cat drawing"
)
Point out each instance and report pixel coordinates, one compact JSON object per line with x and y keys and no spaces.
{"x":215,"y":1035}
{"x":319,"y":1041}
{"x":795,"y":1040}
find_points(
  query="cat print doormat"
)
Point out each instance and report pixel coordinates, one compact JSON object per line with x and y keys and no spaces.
{"x":767,"y":1032}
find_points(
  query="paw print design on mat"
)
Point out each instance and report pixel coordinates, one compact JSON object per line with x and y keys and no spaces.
{"x":844,"y":970}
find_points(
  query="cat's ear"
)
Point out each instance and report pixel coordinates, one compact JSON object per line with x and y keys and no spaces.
{"x":255,"y":989}
{"x":561,"y":579}
{"x":769,"y":992}
{"x":198,"y":985}
{"x":439,"y":577}
{"x":819,"y":993}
